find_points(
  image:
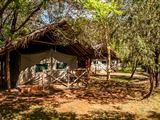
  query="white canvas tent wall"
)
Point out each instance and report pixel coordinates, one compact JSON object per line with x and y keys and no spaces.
{"x":28,"y":62}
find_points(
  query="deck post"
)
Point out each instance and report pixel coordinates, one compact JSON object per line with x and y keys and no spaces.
{"x":1,"y":74}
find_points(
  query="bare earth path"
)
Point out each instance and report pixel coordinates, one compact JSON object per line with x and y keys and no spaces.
{"x":146,"y":109}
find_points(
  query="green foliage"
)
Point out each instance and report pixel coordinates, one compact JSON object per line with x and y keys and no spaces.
{"x":101,"y":26}
{"x":139,"y":32}
{"x":100,"y":9}
{"x":16,"y":15}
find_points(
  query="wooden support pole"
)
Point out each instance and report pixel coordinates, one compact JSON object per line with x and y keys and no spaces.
{"x":2,"y":74}
{"x":8,"y":70}
{"x":1,"y":71}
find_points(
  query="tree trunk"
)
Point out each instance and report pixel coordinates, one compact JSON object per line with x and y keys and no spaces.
{"x":134,"y":67}
{"x":8,"y":70}
{"x":96,"y":66}
{"x":108,"y":63}
{"x":89,"y":68}
{"x":157,"y":52}
{"x":151,"y":79}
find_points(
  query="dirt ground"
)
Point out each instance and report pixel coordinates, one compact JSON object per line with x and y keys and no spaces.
{"x":101,"y":100}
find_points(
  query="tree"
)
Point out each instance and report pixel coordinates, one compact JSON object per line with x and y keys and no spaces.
{"x":139,"y":30}
{"x":15,"y":15}
{"x":102,"y":14}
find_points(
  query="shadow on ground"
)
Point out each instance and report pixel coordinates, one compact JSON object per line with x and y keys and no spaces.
{"x":15,"y":102}
{"x":15,"y":105}
{"x":154,"y":115}
{"x":42,"y":114}
{"x":103,"y":91}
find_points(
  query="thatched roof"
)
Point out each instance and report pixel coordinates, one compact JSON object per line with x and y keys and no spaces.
{"x":55,"y":33}
{"x":49,"y":33}
{"x":58,"y":34}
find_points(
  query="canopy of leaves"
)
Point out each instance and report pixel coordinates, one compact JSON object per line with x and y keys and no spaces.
{"x":139,"y":31}
{"x":17,"y":14}
{"x":100,"y":9}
